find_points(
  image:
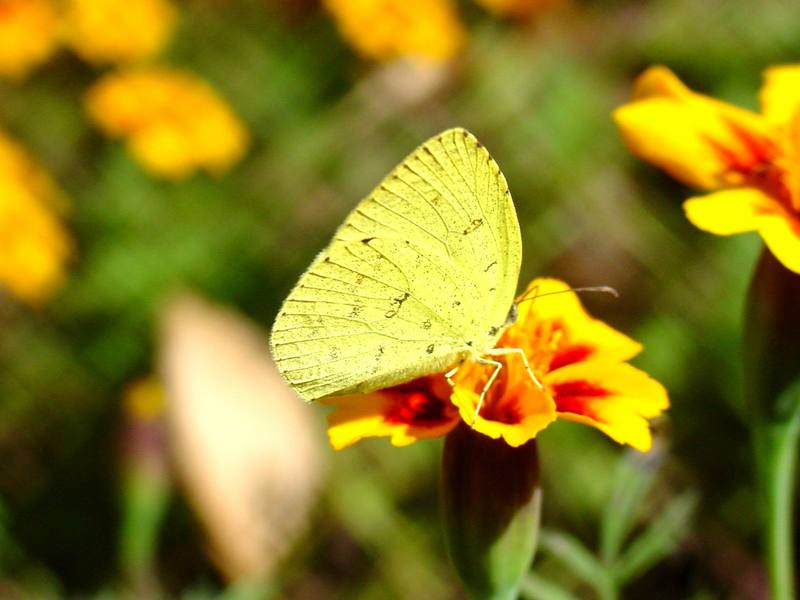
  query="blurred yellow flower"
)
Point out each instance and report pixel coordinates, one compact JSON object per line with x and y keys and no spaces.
{"x":112,"y":31}
{"x":33,"y":244}
{"x":518,"y":8}
{"x":389,"y":29}
{"x":174,"y":123}
{"x":28,"y":35}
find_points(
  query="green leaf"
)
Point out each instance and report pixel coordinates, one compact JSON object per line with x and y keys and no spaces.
{"x":574,"y":555}
{"x":633,"y":479}
{"x":658,"y":540}
{"x":539,"y":588}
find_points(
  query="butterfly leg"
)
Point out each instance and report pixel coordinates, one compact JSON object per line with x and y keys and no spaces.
{"x":451,"y":373}
{"x":521,"y":352}
{"x":497,"y":367}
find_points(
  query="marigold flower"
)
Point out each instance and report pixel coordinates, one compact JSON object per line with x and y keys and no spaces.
{"x":389,"y":29}
{"x":110,"y":31}
{"x":28,"y":35}
{"x":173,"y":122}
{"x":580,"y":362}
{"x":751,"y":158}
{"x":33,"y":244}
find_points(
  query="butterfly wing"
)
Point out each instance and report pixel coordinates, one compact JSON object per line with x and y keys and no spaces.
{"x":422,"y":272}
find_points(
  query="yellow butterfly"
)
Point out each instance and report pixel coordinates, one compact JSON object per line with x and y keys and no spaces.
{"x":420,"y":277}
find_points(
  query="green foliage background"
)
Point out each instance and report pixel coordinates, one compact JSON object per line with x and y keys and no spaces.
{"x":325,"y":129}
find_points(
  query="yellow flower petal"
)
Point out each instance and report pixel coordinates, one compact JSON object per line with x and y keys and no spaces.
{"x":110,"y":31}
{"x":405,"y":413}
{"x":614,"y":397}
{"x":518,"y":416}
{"x":389,"y":29}
{"x":739,"y":210}
{"x":659,"y":81}
{"x":729,"y":211}
{"x":698,"y":140}
{"x":34,"y":246}
{"x":580,"y":336}
{"x":780,"y":94}
{"x":28,"y":35}
{"x":781,"y":234}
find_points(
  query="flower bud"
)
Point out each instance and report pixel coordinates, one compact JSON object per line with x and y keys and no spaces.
{"x":490,"y":511}
{"x":772,"y":338}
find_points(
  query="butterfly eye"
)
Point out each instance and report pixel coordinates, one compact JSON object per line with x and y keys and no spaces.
{"x":513,"y":313}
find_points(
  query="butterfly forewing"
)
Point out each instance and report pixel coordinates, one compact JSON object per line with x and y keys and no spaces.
{"x":421,"y":273}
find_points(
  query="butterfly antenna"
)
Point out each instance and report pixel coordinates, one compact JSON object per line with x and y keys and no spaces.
{"x":604,"y":289}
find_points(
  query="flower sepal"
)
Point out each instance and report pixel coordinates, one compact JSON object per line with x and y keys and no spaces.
{"x":491,"y":500}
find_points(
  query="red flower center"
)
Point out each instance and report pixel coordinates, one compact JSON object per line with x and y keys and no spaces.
{"x":417,"y":402}
{"x":754,"y":164}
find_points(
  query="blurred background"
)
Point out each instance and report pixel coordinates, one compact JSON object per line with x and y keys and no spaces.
{"x":167,"y":170}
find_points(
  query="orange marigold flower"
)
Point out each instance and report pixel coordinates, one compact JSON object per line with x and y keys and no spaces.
{"x":110,"y":31}
{"x":33,"y":244}
{"x":28,"y":35}
{"x":579,"y":361}
{"x":752,"y":159}
{"x":174,"y":123}
{"x":389,"y":29}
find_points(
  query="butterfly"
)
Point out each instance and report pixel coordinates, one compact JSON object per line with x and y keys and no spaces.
{"x":421,"y":276}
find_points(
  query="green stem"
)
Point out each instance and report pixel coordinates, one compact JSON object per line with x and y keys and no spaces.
{"x":776,"y":444}
{"x":607,"y":590}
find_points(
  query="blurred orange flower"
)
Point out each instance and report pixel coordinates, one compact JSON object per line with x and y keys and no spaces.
{"x":580,"y":362}
{"x":110,"y":31}
{"x":751,"y":158}
{"x":174,"y":123}
{"x":389,"y":29}
{"x":33,"y":244}
{"x":28,"y":35}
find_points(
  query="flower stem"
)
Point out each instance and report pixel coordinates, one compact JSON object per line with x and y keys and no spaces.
{"x":776,"y":444}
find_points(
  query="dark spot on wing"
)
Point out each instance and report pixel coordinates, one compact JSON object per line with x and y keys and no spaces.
{"x":429,"y":349}
{"x":493,"y":331}
{"x":390,"y":313}
{"x":367,"y":240}
{"x":456,"y":303}
{"x":426,"y":324}
{"x":469,"y":343}
{"x":399,"y":300}
{"x":493,"y":263}
{"x":473,"y":226}
{"x":327,"y":259}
